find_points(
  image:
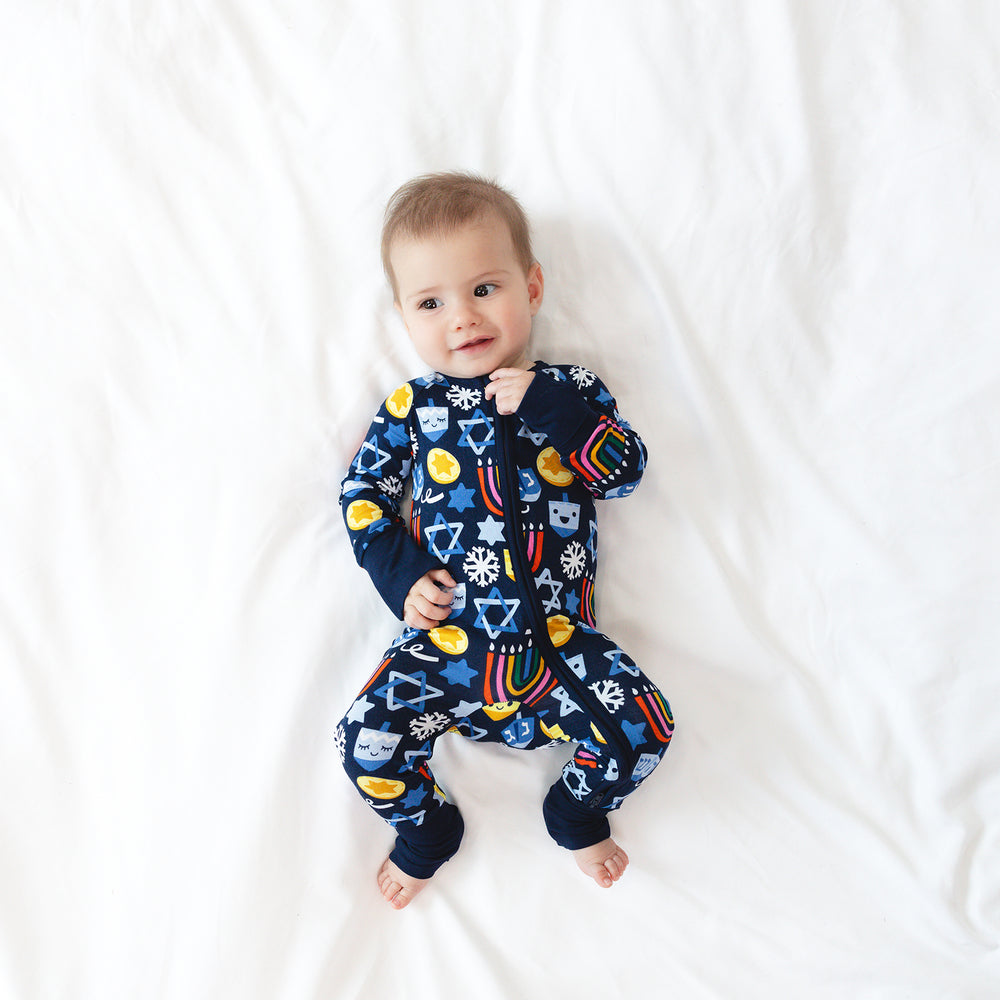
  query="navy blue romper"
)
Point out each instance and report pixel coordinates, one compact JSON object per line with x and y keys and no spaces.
{"x":506,"y":503}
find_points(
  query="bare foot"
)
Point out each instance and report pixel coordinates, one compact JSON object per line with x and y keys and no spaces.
{"x":605,"y":862}
{"x":398,"y":887}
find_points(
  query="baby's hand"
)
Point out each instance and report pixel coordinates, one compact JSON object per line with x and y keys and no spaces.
{"x":429,"y":601}
{"x":508,"y":385}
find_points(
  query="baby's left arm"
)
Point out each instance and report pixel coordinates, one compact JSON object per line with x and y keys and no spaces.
{"x":574,"y":409}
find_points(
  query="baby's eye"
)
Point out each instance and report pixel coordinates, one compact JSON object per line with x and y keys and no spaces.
{"x":429,"y":304}
{"x":483,"y":290}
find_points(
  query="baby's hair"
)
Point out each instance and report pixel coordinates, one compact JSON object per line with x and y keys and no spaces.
{"x":437,"y":204}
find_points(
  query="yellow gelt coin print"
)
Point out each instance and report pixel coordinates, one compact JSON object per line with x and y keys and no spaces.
{"x":560,"y":629}
{"x":449,"y":639}
{"x":551,"y":468}
{"x":381,"y":788}
{"x":361,"y":513}
{"x":442,"y":466}
{"x":398,"y":404}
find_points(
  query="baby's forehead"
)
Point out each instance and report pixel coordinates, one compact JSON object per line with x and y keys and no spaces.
{"x":445,"y":231}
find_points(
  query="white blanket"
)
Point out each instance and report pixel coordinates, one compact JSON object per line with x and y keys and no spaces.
{"x":772,"y":228}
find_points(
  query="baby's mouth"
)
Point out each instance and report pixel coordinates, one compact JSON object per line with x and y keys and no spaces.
{"x":470,"y":346}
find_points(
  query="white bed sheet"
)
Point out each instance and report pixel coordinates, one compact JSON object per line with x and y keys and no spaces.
{"x":773,"y":228}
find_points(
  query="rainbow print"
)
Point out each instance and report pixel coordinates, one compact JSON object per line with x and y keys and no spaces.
{"x":516,"y":673}
{"x":658,"y":714}
{"x":489,"y":487}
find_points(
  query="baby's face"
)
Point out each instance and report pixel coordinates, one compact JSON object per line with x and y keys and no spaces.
{"x":465,"y":300}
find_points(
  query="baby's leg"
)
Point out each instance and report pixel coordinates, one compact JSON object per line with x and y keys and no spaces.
{"x":386,"y":740}
{"x":622,"y":727}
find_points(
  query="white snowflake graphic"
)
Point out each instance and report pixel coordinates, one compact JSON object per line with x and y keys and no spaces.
{"x":391,"y":486}
{"x":481,"y":566}
{"x":581,"y":376}
{"x":464,"y":397}
{"x":609,"y":693}
{"x":573,"y":560}
{"x":426,"y":725}
{"x":340,"y":742}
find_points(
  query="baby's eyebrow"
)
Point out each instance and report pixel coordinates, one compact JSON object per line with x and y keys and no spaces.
{"x":422,"y":294}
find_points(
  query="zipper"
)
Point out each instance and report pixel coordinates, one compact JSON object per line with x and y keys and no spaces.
{"x":507,"y":467}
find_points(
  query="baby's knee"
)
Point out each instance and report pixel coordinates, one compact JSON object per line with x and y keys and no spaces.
{"x":363,"y":749}
{"x":645,"y":741}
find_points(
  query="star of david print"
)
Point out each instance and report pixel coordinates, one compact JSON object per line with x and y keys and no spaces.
{"x":477,"y":419}
{"x":555,"y":588}
{"x":534,"y":438}
{"x":617,"y":667}
{"x":575,"y":779}
{"x":417,"y":702}
{"x":416,"y":819}
{"x":379,"y":457}
{"x":442,"y":524}
{"x":397,"y":435}
{"x":566,"y":703}
{"x":496,"y":600}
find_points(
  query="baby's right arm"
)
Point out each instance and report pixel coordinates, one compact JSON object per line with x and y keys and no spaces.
{"x":370,"y":497}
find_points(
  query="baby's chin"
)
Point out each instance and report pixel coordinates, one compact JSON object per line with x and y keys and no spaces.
{"x":454,"y":371}
{"x":466,"y":371}
{"x":483,"y":370}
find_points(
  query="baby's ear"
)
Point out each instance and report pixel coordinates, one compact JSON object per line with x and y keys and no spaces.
{"x":536,"y":287}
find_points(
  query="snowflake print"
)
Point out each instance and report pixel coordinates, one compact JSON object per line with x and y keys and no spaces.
{"x":581,"y":376}
{"x":573,"y":560}
{"x":340,"y":742}
{"x":426,"y":725}
{"x":464,"y":397}
{"x":609,"y":693}
{"x":391,"y":486}
{"x":481,"y":566}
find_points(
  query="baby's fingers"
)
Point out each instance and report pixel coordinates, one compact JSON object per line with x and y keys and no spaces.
{"x":443,"y":577}
{"x":414,"y":619}
{"x":419,"y":612}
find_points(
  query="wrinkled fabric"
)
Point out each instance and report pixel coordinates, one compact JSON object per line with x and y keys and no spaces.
{"x":771,"y":226}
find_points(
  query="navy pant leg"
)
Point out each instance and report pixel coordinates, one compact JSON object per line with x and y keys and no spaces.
{"x":386,"y":741}
{"x":618,"y":745}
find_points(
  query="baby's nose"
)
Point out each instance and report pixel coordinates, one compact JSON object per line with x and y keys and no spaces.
{"x":466,"y":314}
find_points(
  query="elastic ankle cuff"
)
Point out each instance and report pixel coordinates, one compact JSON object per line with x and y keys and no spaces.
{"x":570,"y":824}
{"x":428,"y":846}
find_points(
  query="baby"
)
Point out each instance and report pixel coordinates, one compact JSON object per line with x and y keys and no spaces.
{"x":494,"y":576}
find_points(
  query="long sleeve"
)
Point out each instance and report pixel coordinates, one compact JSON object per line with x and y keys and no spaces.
{"x":370,"y":496}
{"x":574,"y":409}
